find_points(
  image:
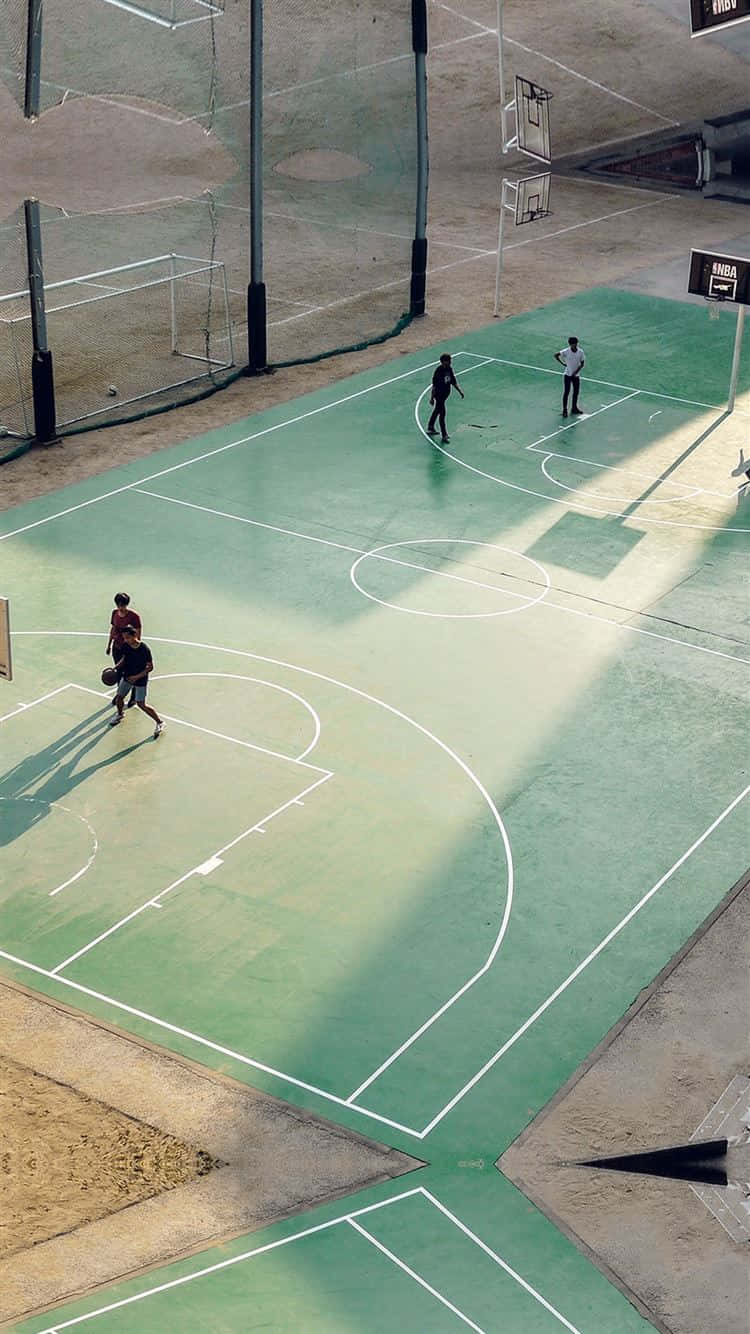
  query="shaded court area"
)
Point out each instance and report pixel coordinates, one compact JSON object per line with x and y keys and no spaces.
{"x":451,"y":770}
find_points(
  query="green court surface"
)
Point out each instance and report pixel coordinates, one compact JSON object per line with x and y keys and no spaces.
{"x":453,"y":765}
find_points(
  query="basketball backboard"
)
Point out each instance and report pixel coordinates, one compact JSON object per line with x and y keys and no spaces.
{"x":532,"y":119}
{"x":6,"y":665}
{"x":723,"y":277}
{"x":708,"y":15}
{"x":532,"y":198}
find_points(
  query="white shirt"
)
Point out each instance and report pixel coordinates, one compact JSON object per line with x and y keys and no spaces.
{"x":573,"y":360}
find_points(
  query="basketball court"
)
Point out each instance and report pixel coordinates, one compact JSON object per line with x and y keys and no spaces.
{"x":451,"y":769}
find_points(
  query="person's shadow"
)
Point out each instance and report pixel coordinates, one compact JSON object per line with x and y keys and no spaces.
{"x":28,"y":790}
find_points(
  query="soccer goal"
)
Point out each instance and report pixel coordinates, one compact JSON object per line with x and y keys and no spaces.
{"x":171,"y":13}
{"x":117,"y":336}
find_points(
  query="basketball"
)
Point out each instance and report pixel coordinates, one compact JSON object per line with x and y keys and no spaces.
{"x":109,"y":677}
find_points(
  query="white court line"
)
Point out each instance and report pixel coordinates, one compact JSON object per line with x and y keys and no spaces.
{"x":554,"y":995}
{"x":374,"y":552}
{"x":323,"y":1227}
{"x":227,"y":1264}
{"x":559,"y":430}
{"x":589,"y":379}
{"x":511,"y":41}
{"x":258,"y":826}
{"x":590,"y":222}
{"x":246,"y":1060}
{"x":372,"y":699}
{"x":413,"y":1274}
{"x":616,"y":500}
{"x":337,"y":74}
{"x":585,"y":79}
{"x":206,"y":1042}
{"x":20,"y":708}
{"x":633,"y":472}
{"x":498,"y":1260}
{"x":272,"y":685}
{"x":220,"y":449}
{"x":555,"y":500}
{"x":57,"y":806}
{"x":221,"y":736}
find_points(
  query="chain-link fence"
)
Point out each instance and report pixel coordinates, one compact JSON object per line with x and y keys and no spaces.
{"x":144,"y":131}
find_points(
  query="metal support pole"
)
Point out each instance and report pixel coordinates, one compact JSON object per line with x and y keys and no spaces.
{"x":32,"y":91}
{"x":257,"y":334}
{"x":736,"y":358}
{"x":501,"y":73}
{"x":507,"y":185}
{"x":419,"y":244}
{"x":42,"y":381}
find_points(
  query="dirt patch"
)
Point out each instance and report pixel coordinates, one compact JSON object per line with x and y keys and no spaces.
{"x":98,"y":1175}
{"x":649,"y":1085}
{"x":105,"y":153}
{"x":67,"y":1159}
{"x":321,"y":164}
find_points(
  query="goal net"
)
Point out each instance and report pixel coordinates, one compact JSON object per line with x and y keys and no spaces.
{"x":118,"y":336}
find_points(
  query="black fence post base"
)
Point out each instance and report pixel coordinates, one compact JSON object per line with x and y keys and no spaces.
{"x":43,"y":391}
{"x":256,"y":330}
{"x":418,"y":275}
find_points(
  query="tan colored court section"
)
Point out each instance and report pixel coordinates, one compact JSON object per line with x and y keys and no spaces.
{"x":124,"y":1116}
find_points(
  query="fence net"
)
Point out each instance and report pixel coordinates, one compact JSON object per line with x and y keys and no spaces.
{"x":142,"y":150}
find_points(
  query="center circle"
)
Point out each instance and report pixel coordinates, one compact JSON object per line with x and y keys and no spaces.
{"x":526,"y":570}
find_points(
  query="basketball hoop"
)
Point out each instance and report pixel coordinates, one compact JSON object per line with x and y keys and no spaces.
{"x":713,"y":303}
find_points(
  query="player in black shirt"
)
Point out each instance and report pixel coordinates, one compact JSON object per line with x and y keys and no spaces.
{"x":442,"y":380}
{"x":135,"y":664}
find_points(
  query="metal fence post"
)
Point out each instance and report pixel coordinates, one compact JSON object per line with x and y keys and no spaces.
{"x":32,"y":91}
{"x":42,"y":379}
{"x":419,"y":244}
{"x":257,"y":331}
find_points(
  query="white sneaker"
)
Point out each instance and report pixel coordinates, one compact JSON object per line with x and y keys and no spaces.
{"x":114,"y":721}
{"x":158,"y":731}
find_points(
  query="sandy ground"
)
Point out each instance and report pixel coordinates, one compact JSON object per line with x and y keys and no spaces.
{"x":67,"y":1160}
{"x":99,"y":1174}
{"x":649,"y":1085}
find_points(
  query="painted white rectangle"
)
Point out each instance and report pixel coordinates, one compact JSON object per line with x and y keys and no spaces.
{"x":209,"y":866}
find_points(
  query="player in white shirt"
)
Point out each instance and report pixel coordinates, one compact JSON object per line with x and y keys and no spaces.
{"x":572,"y":360}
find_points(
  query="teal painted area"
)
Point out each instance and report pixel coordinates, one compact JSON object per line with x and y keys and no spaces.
{"x":460,"y":699}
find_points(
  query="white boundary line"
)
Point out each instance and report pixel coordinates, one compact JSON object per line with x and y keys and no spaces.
{"x":372,"y":699}
{"x":553,"y":996}
{"x":492,"y":32}
{"x":330,"y":1097}
{"x":256,"y":680}
{"x":643,"y":476}
{"x":584,"y":417}
{"x":617,"y":500}
{"x":327,"y":1226}
{"x":376,"y":553}
{"x":557,"y":500}
{"x":258,"y":827}
{"x":555,"y":606}
{"x":498,"y":1260}
{"x":57,"y":806}
{"x":227,"y":1264}
{"x":413,"y":1274}
{"x":220,"y":449}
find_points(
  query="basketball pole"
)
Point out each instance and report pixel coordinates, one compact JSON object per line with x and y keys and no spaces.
{"x":504,"y":205}
{"x":736,"y":358}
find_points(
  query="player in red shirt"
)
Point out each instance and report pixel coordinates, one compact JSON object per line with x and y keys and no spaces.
{"x":122,"y":617}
